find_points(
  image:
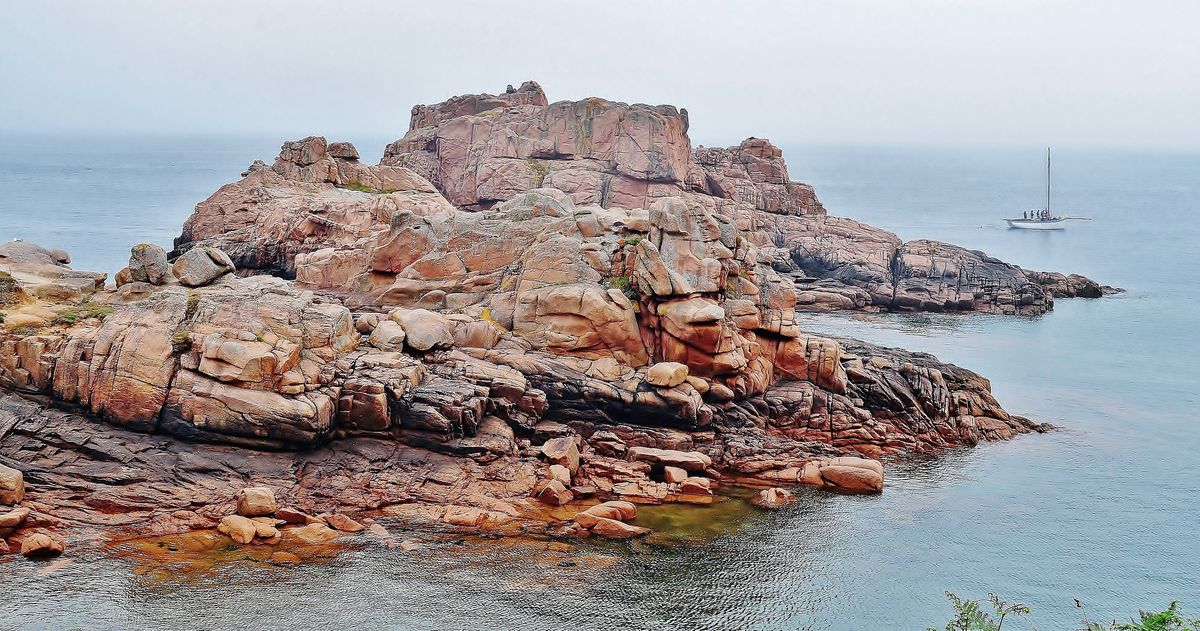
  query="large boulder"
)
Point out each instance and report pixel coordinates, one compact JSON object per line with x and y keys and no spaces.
{"x":424,"y":330}
{"x":847,"y":475}
{"x":148,"y":264}
{"x":42,"y":544}
{"x":12,"y":485}
{"x":241,"y":529}
{"x":666,"y":374}
{"x":563,"y":450}
{"x":256,"y":501}
{"x":388,"y":336}
{"x":201,"y":266}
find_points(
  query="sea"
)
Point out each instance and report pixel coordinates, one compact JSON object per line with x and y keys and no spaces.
{"x":1105,"y":510}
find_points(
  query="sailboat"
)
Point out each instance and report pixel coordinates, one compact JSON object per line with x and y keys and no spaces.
{"x":1042,"y":219}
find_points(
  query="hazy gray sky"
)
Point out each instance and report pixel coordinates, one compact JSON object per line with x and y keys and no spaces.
{"x":948,"y":71}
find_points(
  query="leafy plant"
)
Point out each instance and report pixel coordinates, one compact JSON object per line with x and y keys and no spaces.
{"x":969,"y":615}
{"x":1168,"y":620}
{"x":624,"y":285}
{"x":193,"y":303}
{"x":540,"y":171}
{"x":633,"y":241}
{"x":83,"y":312}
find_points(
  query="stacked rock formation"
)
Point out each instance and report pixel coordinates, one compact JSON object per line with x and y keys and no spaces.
{"x":525,"y":305}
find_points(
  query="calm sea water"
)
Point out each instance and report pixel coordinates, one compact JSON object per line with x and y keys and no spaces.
{"x":1106,"y":510}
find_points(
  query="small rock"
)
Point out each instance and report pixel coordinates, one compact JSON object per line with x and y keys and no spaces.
{"x":687,"y":460}
{"x":14,"y":517}
{"x":409,"y":546}
{"x":264,"y":530}
{"x":388,"y":336}
{"x":238,"y":528}
{"x":560,"y":473}
{"x":343,"y":150}
{"x":674,"y":475}
{"x":774,"y":498}
{"x":338,"y":521}
{"x":293,"y":516}
{"x":613,"y":529}
{"x":696,"y":486}
{"x":40,"y":544}
{"x":313,"y":533}
{"x":256,"y":501}
{"x":552,"y":492}
{"x":563,"y":451}
{"x":666,"y":374}
{"x":627,"y":510}
{"x":423,"y":329}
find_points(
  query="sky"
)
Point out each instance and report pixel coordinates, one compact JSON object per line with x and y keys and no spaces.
{"x":944,"y":72}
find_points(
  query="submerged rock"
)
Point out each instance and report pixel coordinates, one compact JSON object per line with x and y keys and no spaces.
{"x":773,"y":498}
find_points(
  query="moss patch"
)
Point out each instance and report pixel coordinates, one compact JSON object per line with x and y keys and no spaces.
{"x":363,"y":188}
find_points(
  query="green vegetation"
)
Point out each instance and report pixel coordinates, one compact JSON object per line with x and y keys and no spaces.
{"x":733,"y":288}
{"x":192,"y":304}
{"x":181,"y":340}
{"x":633,"y":241}
{"x":1169,"y":620}
{"x":970,"y":615}
{"x":540,"y":171}
{"x":486,"y":316}
{"x":83,"y":312}
{"x":363,"y":188}
{"x":624,"y":285}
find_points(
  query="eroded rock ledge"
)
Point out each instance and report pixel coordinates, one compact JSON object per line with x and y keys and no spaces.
{"x":526,"y":305}
{"x":322,"y":216}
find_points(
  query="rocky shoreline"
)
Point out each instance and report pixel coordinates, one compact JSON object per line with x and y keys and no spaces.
{"x":528,"y":318}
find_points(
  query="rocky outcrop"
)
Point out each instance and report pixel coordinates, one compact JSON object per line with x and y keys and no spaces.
{"x":31,"y":272}
{"x":309,"y":201}
{"x":258,"y":362}
{"x":525,"y":306}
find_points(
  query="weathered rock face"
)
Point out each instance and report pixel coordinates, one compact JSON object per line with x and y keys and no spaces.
{"x":29,"y":271}
{"x":605,"y":313}
{"x":484,"y":149}
{"x":309,"y":201}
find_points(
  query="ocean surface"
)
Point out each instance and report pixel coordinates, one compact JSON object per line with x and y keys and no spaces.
{"x":1106,"y":509}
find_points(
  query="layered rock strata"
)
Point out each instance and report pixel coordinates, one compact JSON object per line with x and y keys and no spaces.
{"x":525,"y":305}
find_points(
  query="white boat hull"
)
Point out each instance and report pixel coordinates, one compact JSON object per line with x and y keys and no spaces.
{"x":1037,"y":224}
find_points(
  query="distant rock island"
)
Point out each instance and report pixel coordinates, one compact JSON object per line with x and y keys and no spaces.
{"x":528,"y":318}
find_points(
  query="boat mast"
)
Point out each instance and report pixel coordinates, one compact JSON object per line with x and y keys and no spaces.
{"x":1048,"y":181}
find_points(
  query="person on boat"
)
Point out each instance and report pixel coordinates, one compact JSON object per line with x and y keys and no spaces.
{"x":1025,"y":215}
